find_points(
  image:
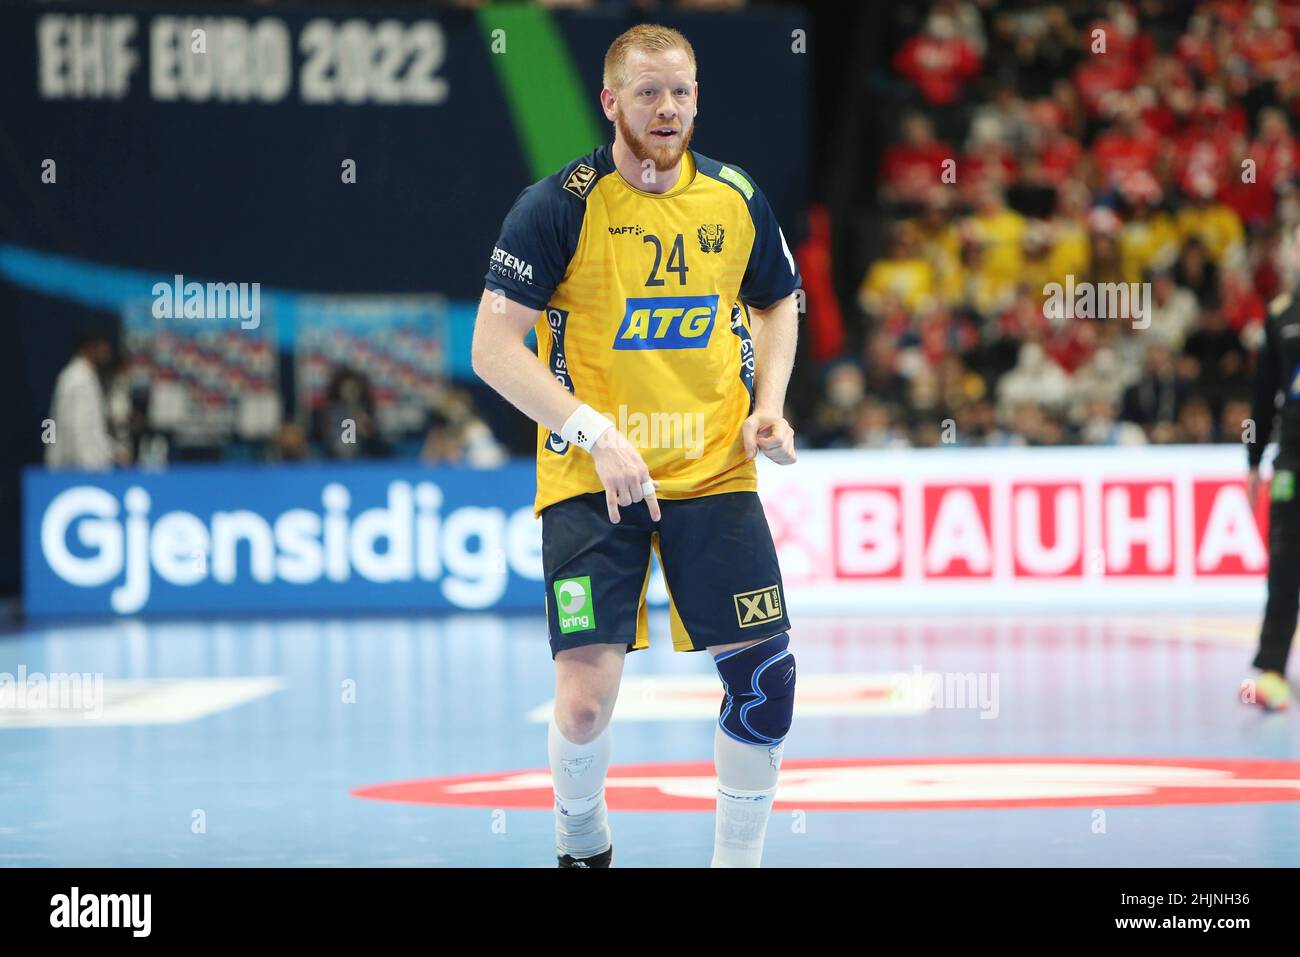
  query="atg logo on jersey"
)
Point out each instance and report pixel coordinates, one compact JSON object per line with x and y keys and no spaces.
{"x":667,"y":322}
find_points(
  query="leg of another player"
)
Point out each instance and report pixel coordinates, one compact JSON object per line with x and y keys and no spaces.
{"x":578,"y":740}
{"x":1283,"y":603}
{"x":748,"y":742}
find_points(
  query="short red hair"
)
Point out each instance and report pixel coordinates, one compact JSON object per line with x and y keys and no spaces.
{"x":647,"y":37}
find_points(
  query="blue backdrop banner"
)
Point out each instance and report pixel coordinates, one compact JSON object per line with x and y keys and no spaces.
{"x":341,"y":537}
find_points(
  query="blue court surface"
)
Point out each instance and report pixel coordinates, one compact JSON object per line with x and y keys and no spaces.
{"x":1045,"y":740}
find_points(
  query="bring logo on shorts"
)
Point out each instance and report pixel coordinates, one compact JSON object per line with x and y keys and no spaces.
{"x":758,"y":607}
{"x":573,"y":605}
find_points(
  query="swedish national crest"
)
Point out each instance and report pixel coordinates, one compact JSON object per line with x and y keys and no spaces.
{"x":711,"y":236}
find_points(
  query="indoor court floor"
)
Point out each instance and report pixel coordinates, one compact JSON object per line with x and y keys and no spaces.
{"x":952,"y":740}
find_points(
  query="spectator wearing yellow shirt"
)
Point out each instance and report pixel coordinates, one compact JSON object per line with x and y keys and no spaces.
{"x":905,"y":275}
{"x":1104,"y":262}
{"x":1038,"y":270}
{"x":981,"y":291}
{"x":940,"y":243}
{"x":1148,"y":240}
{"x":1071,"y":253}
{"x":1000,"y":231}
{"x":1215,"y":224}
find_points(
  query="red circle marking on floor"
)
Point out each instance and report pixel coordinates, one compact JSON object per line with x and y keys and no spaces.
{"x":893,"y":784}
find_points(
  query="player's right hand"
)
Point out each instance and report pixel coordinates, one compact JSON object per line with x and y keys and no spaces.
{"x":622,"y":471}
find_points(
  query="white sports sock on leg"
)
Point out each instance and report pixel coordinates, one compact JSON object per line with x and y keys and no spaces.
{"x":578,"y":773}
{"x":747,"y":777}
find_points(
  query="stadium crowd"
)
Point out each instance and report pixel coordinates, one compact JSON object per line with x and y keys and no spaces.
{"x":1147,"y":143}
{"x":1080,"y":142}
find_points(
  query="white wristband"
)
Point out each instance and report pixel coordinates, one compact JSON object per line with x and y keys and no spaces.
{"x":584,"y":427}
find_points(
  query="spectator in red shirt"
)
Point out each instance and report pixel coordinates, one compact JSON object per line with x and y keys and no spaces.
{"x":1208,"y":142}
{"x":1255,"y":201}
{"x":1054,"y":155}
{"x":1072,"y":345}
{"x":938,"y":62}
{"x":1267,"y":47}
{"x":911,"y":166}
{"x":1242,"y":305}
{"x":1101,"y":78}
{"x":1129,"y":147}
{"x":1167,"y":94}
{"x":1267,"y":270}
{"x":1107,"y":73}
{"x":1195,"y":48}
{"x":1124,"y":38}
{"x":824,"y":321}
{"x":1048,"y":113}
{"x":1273,"y":149}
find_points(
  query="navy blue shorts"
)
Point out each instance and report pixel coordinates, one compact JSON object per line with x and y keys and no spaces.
{"x":724,"y":583}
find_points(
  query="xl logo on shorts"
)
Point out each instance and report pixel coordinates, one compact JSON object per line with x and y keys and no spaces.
{"x":667,"y":322}
{"x":573,"y":605}
{"x":759,"y":606}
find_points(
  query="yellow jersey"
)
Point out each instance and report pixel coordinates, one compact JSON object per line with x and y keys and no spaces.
{"x":1217,"y":225}
{"x":643,"y":314}
{"x":1001,"y":233}
{"x":912,"y":280}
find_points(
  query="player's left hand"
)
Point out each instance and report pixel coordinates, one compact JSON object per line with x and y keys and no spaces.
{"x":772,"y":434}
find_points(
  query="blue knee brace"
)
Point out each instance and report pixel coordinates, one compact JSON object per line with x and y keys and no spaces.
{"x":758,"y":681}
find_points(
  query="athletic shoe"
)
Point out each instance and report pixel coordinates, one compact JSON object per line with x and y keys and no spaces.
{"x":1272,"y":693}
{"x":604,"y":859}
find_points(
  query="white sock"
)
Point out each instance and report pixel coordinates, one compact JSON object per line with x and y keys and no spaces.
{"x":578,"y":774}
{"x":747,"y":777}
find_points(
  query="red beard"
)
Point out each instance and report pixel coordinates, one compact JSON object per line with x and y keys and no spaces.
{"x":664,"y":155}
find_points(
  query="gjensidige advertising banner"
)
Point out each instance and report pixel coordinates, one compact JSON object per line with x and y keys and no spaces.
{"x":856,"y":531}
